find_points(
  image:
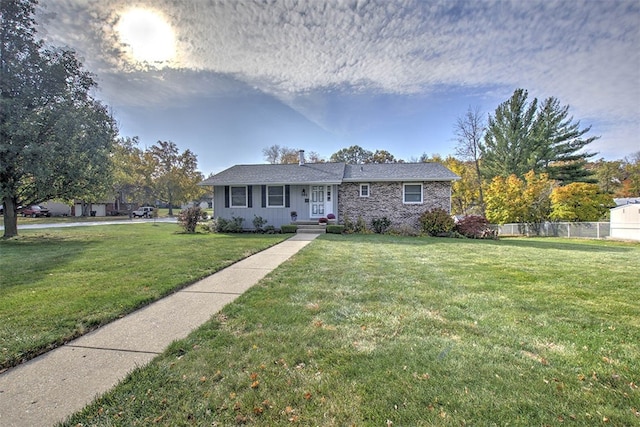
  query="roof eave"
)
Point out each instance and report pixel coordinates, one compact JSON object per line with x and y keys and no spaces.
{"x":408,"y":179}
{"x":220,"y":184}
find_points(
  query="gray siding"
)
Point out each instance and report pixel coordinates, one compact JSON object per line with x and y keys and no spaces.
{"x":385,"y":200}
{"x":275,"y":216}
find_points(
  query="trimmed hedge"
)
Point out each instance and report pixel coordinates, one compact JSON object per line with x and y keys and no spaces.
{"x":289,"y":228}
{"x":335,"y":229}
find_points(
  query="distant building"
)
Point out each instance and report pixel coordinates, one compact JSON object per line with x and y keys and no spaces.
{"x":625,"y":222}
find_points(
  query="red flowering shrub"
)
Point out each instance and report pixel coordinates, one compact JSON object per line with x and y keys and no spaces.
{"x":475,"y":227}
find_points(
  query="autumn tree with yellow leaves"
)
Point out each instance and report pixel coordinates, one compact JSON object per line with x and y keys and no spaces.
{"x":580,"y":201}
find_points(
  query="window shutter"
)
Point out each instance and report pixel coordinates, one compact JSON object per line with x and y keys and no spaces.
{"x":287,"y":191}
{"x":249,"y":196}
{"x":226,"y":196}
{"x":264,"y":196}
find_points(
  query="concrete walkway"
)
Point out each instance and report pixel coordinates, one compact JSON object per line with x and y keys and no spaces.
{"x":47,"y":389}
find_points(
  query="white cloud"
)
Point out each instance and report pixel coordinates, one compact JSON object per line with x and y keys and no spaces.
{"x":584,"y":53}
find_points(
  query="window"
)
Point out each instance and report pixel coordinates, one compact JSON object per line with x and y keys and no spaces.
{"x":275,"y":196}
{"x":412,"y":193}
{"x":364,"y":190}
{"x":238,"y":197}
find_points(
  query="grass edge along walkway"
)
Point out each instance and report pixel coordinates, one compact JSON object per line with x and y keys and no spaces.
{"x":51,"y":387}
{"x":380,"y":330}
{"x":58,"y":284}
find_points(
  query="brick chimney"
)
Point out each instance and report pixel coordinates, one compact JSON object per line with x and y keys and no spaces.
{"x":301,"y":157}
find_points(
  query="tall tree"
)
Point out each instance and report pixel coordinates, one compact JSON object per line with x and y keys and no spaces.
{"x":525,"y":201}
{"x":560,"y":143}
{"x":521,"y":137}
{"x":353,"y":155}
{"x":469,"y":131}
{"x":580,"y":201}
{"x":277,"y":154}
{"x":508,"y":146}
{"x":55,"y":139}
{"x":175,"y":176}
{"x":436,"y":158}
{"x":610,"y":175}
{"x":381,"y":156}
{"x":503,"y":198}
{"x":631,"y":180}
{"x":536,"y":200}
{"x":131,"y":173}
{"x":465,"y":191}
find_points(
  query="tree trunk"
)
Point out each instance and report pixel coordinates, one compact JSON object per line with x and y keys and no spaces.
{"x":480,"y":191}
{"x":10,"y":218}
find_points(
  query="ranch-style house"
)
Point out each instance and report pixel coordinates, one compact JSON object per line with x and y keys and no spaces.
{"x":399,"y":191}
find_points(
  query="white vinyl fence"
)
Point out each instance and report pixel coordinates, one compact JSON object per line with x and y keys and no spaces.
{"x":592,"y":230}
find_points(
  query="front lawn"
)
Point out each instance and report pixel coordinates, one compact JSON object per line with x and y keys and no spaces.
{"x":392,"y":331}
{"x":59,"y":283}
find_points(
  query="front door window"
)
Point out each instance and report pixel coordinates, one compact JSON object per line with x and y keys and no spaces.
{"x":317,"y":200}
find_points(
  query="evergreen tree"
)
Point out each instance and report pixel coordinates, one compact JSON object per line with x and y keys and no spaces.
{"x":560,"y":143}
{"x":509,"y":146}
{"x":521,"y":137}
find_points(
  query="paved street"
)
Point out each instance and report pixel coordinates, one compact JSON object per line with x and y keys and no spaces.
{"x":88,"y":224}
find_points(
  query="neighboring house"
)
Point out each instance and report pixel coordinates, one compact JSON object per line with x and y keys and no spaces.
{"x":57,"y":208}
{"x":398,"y":191}
{"x":626,"y":200}
{"x":92,"y":209}
{"x":625,"y":222}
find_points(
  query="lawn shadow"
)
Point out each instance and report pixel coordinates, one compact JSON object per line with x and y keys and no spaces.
{"x":542,"y":243}
{"x":53,"y":252}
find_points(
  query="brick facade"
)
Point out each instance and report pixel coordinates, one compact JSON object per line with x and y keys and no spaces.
{"x":385,"y":200}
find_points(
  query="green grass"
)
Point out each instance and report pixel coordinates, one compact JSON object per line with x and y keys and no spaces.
{"x":59,"y":283}
{"x":378,"y":330}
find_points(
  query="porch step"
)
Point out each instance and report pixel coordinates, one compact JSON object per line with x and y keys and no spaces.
{"x":311,"y":227}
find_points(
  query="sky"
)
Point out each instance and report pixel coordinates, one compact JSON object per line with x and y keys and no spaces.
{"x":226,"y":79}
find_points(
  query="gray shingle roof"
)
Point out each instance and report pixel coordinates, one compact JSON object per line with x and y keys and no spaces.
{"x":330,"y":173}
{"x":398,"y":172}
{"x":317,"y":173}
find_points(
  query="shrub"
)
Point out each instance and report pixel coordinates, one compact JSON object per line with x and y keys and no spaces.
{"x":289,"y":228}
{"x":188,"y":218}
{"x":475,"y":227}
{"x":233,"y":225}
{"x":360,"y":226}
{"x":335,"y":229}
{"x":259,"y":222}
{"x":381,"y":225}
{"x":404,"y":230}
{"x":348,"y":224}
{"x":436,"y":222}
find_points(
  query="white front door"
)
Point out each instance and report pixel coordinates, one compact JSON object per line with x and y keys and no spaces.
{"x":318,"y":198}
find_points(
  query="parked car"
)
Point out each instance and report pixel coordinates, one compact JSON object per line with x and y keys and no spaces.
{"x":35,"y":211}
{"x":145,"y":211}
